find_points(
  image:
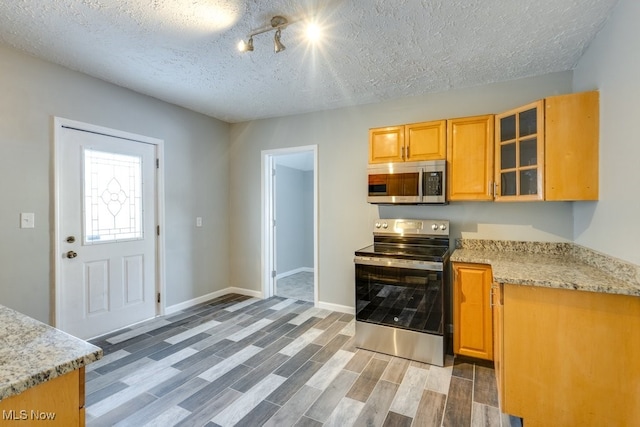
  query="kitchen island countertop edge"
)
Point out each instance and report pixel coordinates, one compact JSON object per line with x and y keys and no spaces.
{"x":32,"y":352}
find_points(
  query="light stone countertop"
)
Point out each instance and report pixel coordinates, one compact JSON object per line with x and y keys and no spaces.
{"x":562,"y":266}
{"x":32,"y":352}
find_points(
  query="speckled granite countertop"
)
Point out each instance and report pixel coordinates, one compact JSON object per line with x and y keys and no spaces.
{"x":552,"y":265}
{"x":32,"y":352}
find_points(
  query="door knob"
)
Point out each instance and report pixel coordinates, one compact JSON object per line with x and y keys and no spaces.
{"x":71,"y":254}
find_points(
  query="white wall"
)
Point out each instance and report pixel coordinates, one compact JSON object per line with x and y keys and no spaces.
{"x":345,"y":219}
{"x":196,"y":173}
{"x":612,"y":65}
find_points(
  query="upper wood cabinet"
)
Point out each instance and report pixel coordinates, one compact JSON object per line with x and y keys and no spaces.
{"x":472,"y":316}
{"x":548,"y":150}
{"x":426,"y":141}
{"x":572,"y":129}
{"x":412,"y":142}
{"x":520,"y":153}
{"x":545,"y":150}
{"x":470,"y":158}
{"x":386,"y":144}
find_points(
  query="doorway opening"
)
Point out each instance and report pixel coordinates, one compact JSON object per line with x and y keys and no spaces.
{"x":290,"y":223}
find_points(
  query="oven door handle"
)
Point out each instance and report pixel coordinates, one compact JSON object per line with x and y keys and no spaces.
{"x":398,"y":263}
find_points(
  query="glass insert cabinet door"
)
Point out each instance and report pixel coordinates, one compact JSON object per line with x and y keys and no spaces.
{"x":520,"y":153}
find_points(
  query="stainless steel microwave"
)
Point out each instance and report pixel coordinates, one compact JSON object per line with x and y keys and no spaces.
{"x":410,"y":183}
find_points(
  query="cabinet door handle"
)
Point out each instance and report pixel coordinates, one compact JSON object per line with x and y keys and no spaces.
{"x":408,"y":152}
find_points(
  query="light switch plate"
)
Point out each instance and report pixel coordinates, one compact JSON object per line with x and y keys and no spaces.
{"x":199,"y":221}
{"x":27,"y":220}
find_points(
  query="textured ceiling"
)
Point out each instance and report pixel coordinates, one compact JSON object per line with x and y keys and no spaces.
{"x":184,"y":51}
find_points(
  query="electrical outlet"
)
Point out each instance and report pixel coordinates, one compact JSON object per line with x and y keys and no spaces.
{"x":199,"y":221}
{"x":27,"y":220}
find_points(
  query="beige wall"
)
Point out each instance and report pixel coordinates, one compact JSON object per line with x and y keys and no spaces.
{"x":345,"y":219}
{"x":196,"y":172}
{"x":612,"y":65}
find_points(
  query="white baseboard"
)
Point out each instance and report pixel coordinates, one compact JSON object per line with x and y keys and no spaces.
{"x":336,"y":307}
{"x":256,"y":294}
{"x":204,"y":298}
{"x":294,"y":271}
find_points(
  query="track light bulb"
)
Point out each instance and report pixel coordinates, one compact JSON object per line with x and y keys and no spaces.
{"x":277,"y":45}
{"x":246,"y":46}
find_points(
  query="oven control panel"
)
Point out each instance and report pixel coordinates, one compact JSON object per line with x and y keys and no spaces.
{"x":420,"y":227}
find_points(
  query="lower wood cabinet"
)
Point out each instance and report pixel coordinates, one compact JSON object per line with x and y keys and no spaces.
{"x":472,"y":317}
{"x":562,"y":357}
{"x":569,"y":358}
{"x":498,"y":357}
{"x":57,"y":402}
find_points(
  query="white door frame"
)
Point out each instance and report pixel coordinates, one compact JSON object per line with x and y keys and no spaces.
{"x":58,"y":124}
{"x":268,"y":196}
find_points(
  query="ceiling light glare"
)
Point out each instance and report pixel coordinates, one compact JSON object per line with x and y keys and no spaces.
{"x":314,"y":33}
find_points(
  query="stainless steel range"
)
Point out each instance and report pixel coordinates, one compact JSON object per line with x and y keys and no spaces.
{"x":401,"y":289}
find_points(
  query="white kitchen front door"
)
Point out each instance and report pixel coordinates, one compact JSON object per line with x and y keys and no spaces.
{"x":107,"y":231}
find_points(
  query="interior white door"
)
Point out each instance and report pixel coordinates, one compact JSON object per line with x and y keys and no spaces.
{"x":107,"y":223}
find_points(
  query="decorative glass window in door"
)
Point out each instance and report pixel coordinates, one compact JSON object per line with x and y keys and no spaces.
{"x":112,"y":197}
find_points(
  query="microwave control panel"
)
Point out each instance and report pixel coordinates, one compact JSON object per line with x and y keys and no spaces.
{"x":433,"y":183}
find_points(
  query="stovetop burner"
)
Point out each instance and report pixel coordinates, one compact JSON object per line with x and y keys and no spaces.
{"x":410,"y":239}
{"x":423,"y":253}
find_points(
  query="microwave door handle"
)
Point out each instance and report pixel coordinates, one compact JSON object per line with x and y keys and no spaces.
{"x":420,"y":184}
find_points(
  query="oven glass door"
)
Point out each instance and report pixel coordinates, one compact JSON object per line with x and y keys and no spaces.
{"x":400,"y":297}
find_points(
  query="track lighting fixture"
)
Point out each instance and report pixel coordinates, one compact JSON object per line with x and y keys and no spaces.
{"x":277,"y":45}
{"x":277,"y":23}
{"x":250,"y":45}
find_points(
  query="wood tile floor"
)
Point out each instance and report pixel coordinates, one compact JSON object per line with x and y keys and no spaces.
{"x":244,"y":361}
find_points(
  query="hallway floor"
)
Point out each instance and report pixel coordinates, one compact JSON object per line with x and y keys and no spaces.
{"x":297,"y":286}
